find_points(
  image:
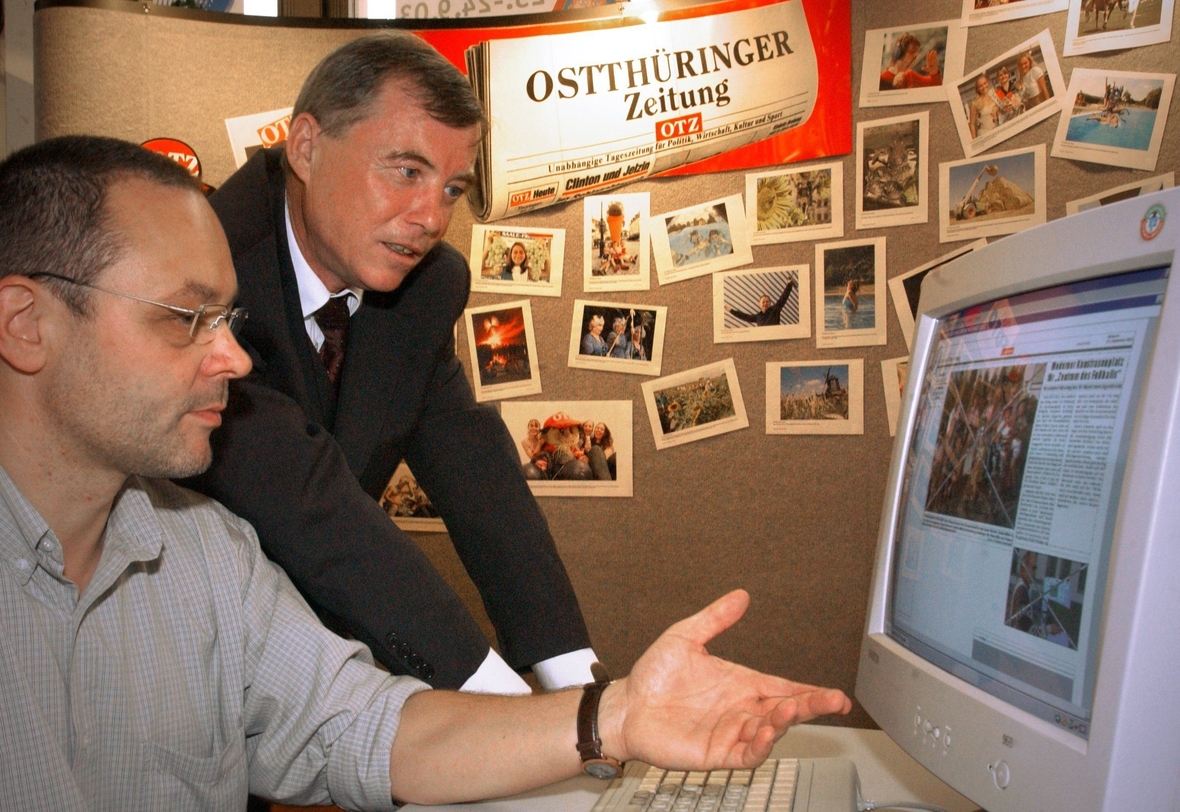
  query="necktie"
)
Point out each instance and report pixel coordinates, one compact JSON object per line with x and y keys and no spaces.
{"x":333,"y":321}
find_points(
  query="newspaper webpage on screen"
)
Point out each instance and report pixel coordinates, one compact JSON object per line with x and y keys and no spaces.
{"x":1012,"y":492}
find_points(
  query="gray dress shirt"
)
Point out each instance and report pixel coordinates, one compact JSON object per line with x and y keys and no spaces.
{"x":188,"y":672}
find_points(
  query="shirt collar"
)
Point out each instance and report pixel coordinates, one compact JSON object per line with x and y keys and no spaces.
{"x":313,"y":293}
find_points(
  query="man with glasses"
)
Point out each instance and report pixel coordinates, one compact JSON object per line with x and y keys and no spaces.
{"x":150,"y":657}
{"x":337,"y":241}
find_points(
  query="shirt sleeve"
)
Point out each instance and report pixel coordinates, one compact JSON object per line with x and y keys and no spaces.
{"x":319,"y":717}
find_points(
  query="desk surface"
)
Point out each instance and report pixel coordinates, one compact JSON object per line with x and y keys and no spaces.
{"x":887,"y":773}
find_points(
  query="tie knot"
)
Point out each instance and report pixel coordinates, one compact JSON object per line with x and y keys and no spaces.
{"x":334,"y":315}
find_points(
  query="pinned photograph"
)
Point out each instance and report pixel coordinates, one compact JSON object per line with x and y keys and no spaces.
{"x":848,"y":278}
{"x":617,"y":337}
{"x":893,"y":377}
{"x":808,"y":397}
{"x":524,"y":259}
{"x":1117,"y":117}
{"x":701,"y":239}
{"x":795,"y":205}
{"x":910,"y":65}
{"x":573,"y":447}
{"x":1119,"y":193}
{"x":1046,"y":594}
{"x":762,"y":305}
{"x":983,"y":12}
{"x":997,"y":194}
{"x":616,"y":238}
{"x":907,"y":289}
{"x":892,"y":179}
{"x":1106,"y":25}
{"x":503,"y":350}
{"x":408,"y":505}
{"x":695,"y":404}
{"x":1007,"y":95}
{"x":978,"y":464}
{"x":248,"y":134}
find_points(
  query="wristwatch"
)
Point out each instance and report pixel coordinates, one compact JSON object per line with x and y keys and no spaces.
{"x":594,"y":762}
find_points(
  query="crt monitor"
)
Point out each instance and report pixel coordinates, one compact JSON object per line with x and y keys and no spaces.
{"x":1023,"y":630}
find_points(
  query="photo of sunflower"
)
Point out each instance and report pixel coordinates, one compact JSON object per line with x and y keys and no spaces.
{"x":794,"y":200}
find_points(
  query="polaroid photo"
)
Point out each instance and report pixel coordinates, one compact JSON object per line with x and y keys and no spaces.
{"x":248,"y":134}
{"x":573,"y":447}
{"x":910,"y":65}
{"x":1108,"y":25}
{"x":892,"y":178}
{"x":616,"y":235}
{"x":893,"y":378}
{"x":1117,"y":117}
{"x":701,"y":239}
{"x":815,"y":397}
{"x":907,"y":288}
{"x":983,"y":12}
{"x":521,"y":259}
{"x":503,"y":350}
{"x":407,"y":505}
{"x":848,"y":277}
{"x":796,"y":204}
{"x":695,"y":404}
{"x":1119,"y":193}
{"x":1001,"y":193}
{"x":617,"y":337}
{"x":762,"y":305}
{"x":1007,"y":95}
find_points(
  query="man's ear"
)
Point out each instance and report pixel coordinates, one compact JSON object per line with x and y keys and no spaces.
{"x":22,"y":343}
{"x":301,"y":142}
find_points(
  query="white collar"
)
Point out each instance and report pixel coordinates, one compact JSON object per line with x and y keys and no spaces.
{"x":313,"y":293}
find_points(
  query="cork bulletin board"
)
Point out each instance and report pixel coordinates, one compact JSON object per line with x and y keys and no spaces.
{"x":792,"y":518}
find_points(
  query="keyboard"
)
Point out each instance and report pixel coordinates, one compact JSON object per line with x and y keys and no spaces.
{"x":779,"y":785}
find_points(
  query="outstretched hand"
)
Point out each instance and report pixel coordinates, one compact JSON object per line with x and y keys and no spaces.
{"x":683,"y":708}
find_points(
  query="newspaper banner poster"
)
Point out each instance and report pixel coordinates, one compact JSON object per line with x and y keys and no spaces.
{"x":248,"y":134}
{"x":694,"y":85}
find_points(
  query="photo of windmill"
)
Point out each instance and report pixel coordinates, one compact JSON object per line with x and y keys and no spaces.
{"x":814,"y":393}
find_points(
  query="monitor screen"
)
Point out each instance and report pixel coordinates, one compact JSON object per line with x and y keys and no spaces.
{"x":1010,"y":488}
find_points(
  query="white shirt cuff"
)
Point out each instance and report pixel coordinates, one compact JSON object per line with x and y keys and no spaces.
{"x":495,"y":677}
{"x":565,"y":670}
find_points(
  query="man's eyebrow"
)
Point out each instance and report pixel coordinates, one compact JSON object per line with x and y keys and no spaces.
{"x":467,"y":177}
{"x":203,"y":292}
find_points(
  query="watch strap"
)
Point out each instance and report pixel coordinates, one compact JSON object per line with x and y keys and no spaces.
{"x":594,"y":762}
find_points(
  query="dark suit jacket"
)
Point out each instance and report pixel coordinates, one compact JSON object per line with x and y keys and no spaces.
{"x":306,"y":468}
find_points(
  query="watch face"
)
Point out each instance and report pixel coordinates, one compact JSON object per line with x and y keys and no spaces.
{"x":600,"y":769}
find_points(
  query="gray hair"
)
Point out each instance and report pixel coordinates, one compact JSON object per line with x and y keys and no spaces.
{"x":53,"y":213}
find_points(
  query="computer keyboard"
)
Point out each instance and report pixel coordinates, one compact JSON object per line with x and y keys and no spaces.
{"x":779,"y":785}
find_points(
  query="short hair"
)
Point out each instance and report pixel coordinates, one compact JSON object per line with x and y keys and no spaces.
{"x":340,"y":90}
{"x":597,"y":317}
{"x":53,"y":212}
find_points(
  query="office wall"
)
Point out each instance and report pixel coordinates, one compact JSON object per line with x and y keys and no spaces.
{"x":793,"y":519}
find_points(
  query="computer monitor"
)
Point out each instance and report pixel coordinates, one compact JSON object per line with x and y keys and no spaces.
{"x":1023,"y":630}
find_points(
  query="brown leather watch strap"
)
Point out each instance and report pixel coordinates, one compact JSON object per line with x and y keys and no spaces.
{"x":589,"y":743}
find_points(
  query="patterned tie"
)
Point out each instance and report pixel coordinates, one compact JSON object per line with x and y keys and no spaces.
{"x":333,"y":321}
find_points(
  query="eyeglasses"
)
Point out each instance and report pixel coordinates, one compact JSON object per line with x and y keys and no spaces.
{"x":208,"y":316}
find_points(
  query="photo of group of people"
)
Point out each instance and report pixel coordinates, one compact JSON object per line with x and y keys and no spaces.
{"x":815,"y":398}
{"x":983,"y":437}
{"x":792,"y":205}
{"x":617,"y":336}
{"x":701,"y":239}
{"x":1046,"y":594}
{"x":573,"y":448}
{"x":1007,"y":95}
{"x":1116,"y":118}
{"x":408,"y":505}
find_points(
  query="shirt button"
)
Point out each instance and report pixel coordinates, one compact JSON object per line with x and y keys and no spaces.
{"x":22,"y":564}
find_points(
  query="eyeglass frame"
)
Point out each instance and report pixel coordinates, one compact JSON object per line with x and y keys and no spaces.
{"x":233,"y":317}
